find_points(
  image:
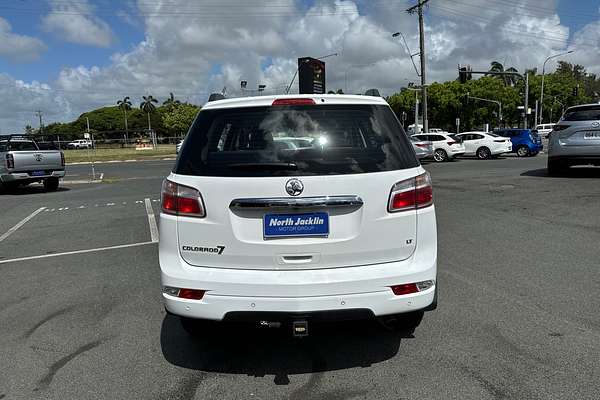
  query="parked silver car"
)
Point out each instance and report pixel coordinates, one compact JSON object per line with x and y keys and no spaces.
{"x":22,"y":162}
{"x":423,"y":148}
{"x":575,"y":140}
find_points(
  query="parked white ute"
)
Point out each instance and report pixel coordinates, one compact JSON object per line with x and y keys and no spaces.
{"x":342,"y":228}
{"x":445,"y":147}
{"x":484,"y":145}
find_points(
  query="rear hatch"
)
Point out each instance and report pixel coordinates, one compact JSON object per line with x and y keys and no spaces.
{"x":269,"y":205}
{"x":580,"y":126}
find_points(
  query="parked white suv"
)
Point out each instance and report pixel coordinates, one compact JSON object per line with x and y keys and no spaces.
{"x":484,"y":145}
{"x":252,"y":230}
{"x":445,"y":147}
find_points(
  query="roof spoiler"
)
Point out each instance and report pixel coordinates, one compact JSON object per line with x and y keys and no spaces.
{"x":372,"y":92}
{"x":216,"y":96}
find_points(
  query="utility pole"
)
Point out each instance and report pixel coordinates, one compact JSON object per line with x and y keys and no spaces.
{"x":419,"y":8}
{"x":40,"y":114}
{"x":526,"y":100}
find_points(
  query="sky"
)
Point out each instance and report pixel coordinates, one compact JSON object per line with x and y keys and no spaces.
{"x":65,"y":57}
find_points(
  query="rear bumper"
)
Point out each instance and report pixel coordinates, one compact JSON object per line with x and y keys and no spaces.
{"x":24,"y":176}
{"x":576,"y":159}
{"x":299,"y":291}
{"x":220,"y":307}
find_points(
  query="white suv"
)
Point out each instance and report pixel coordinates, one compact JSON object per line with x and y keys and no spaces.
{"x":343,"y":228}
{"x":445,"y":147}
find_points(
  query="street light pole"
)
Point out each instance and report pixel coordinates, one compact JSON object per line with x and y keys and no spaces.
{"x":543,"y":75}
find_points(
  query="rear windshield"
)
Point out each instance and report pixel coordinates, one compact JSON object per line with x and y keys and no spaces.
{"x":582,"y":114}
{"x":17,"y":146}
{"x":295,"y":140}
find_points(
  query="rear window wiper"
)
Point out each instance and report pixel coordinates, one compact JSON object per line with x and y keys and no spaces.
{"x":282,"y":166}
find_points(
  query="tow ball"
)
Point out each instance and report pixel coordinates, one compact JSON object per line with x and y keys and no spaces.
{"x":300,"y":328}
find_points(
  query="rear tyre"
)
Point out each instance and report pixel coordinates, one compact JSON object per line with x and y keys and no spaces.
{"x":483,"y":153}
{"x":405,"y":323}
{"x":51,"y":184}
{"x":523,"y":151}
{"x":440,"y":155}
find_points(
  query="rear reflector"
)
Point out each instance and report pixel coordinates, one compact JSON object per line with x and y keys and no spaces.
{"x":293,"y":102}
{"x":408,"y":288}
{"x":191,"y":294}
{"x":181,"y":200}
{"x":411,"y":194}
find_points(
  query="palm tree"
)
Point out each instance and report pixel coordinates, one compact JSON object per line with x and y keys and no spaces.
{"x":125,"y":105}
{"x":496,"y":66}
{"x":147,"y":106}
{"x":171,"y":101}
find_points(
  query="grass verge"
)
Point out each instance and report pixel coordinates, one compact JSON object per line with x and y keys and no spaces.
{"x":119,"y":154}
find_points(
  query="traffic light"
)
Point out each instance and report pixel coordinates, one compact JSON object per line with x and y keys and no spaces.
{"x":464,"y":74}
{"x":575,"y":90}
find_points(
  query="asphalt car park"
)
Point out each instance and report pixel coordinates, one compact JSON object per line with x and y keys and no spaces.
{"x":517,"y":315}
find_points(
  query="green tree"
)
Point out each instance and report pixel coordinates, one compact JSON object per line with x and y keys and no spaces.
{"x":496,"y":66}
{"x":125,"y":105}
{"x":147,"y":106}
{"x":179,"y":117}
{"x":170,"y":102}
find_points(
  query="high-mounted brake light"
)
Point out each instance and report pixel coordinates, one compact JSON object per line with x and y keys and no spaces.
{"x":293,"y":102}
{"x":10,"y":161}
{"x":411,"y":194}
{"x":181,"y":200}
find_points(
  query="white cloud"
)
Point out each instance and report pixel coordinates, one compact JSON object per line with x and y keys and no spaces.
{"x":18,"y":48}
{"x":73,"y":21}
{"x":191,"y":50}
{"x":25,"y":99}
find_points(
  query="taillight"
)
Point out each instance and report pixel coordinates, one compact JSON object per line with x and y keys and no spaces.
{"x":557,"y":128}
{"x":181,"y":200}
{"x":293,"y":102}
{"x":500,"y":141}
{"x":62,"y":159}
{"x":10,"y":161}
{"x":422,"y":145}
{"x":411,"y":194}
{"x":451,"y":143}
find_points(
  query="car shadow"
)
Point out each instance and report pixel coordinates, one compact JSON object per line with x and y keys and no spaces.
{"x":254,"y":351}
{"x":29,"y":190}
{"x":578,"y":172}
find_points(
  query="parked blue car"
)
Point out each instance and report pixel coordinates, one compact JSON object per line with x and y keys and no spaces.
{"x":525,"y":142}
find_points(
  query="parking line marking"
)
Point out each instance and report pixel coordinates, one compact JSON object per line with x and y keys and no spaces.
{"x":21,"y":223}
{"x":67,"y":253}
{"x":151,"y":221}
